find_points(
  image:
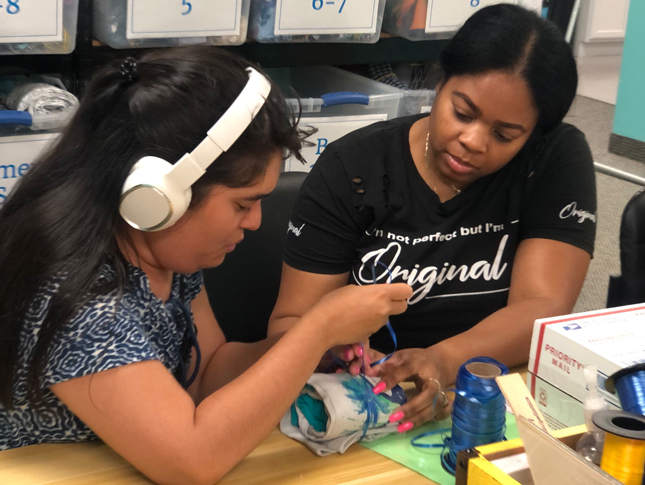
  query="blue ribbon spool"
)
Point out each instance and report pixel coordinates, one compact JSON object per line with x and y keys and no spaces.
{"x":478,"y":413}
{"x":629,"y":384}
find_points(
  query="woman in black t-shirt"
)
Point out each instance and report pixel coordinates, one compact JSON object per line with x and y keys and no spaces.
{"x":486,"y":207}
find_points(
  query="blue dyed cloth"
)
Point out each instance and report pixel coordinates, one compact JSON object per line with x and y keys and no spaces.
{"x":107,"y":332}
{"x":313,"y":409}
{"x":335,"y":411}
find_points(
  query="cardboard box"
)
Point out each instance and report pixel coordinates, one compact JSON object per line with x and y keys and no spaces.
{"x":560,"y":410}
{"x":612,"y":339}
{"x":485,"y":465}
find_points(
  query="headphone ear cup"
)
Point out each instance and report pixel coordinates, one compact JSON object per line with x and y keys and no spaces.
{"x":150,"y":201}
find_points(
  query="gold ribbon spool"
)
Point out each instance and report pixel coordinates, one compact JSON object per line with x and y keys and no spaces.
{"x":623,"y":456}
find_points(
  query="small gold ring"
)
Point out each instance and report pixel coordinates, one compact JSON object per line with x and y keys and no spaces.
{"x":445,"y":399}
{"x":440,"y":391}
{"x":438,"y":384}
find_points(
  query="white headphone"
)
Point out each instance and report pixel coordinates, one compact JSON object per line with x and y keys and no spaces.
{"x":157,"y":193}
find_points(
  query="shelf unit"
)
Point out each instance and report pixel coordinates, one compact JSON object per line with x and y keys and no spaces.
{"x":77,"y":68}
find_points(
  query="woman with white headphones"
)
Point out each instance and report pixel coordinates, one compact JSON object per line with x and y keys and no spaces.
{"x":105,"y":328}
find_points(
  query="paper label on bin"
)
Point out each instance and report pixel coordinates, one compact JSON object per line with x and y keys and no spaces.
{"x":158,"y":19}
{"x":25,"y":21}
{"x":17,"y":153}
{"x":329,"y":129}
{"x":303,"y":17}
{"x":449,"y":15}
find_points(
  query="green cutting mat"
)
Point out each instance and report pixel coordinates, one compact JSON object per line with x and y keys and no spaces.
{"x":427,"y":462}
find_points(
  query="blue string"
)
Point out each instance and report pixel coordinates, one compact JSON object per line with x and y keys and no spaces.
{"x":368,"y":395}
{"x":341,"y":363}
{"x":631,"y":391}
{"x":388,"y":325}
{"x":478,"y":414}
{"x":191,"y":343}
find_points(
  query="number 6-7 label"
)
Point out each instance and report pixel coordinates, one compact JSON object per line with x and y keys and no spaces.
{"x":158,"y":19}
{"x":26,"y":21}
{"x":449,"y":15}
{"x":302,"y":17}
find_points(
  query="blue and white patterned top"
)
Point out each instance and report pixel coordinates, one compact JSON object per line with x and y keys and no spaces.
{"x":106,"y":333}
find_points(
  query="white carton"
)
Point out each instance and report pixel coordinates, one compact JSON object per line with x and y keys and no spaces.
{"x":558,"y":408}
{"x":612,"y":339}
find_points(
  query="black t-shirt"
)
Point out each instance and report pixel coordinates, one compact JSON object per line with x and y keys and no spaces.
{"x":365,"y":202}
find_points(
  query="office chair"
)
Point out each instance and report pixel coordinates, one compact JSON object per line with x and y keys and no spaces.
{"x":629,"y":287}
{"x":243,"y":290}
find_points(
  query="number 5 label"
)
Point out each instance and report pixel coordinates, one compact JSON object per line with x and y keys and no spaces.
{"x":156,"y":19}
{"x":31,"y":21}
{"x":302,"y":17}
{"x":449,"y":15}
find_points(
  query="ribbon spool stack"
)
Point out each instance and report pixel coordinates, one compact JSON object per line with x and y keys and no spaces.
{"x":623,"y":456}
{"x":478,"y":413}
{"x":479,"y":410}
{"x":629,"y":384}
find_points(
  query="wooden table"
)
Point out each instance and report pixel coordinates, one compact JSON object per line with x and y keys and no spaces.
{"x":278,"y":460}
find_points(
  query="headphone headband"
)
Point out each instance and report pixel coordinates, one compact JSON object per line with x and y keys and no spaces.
{"x":157,"y":193}
{"x":225,"y":132}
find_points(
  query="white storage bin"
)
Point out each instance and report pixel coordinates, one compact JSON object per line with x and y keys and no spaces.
{"x":316,"y":20}
{"x":17,"y":153}
{"x":38,"y":27}
{"x":34,"y":107}
{"x":437,"y":19}
{"x":336,"y":102}
{"x":124,"y":24}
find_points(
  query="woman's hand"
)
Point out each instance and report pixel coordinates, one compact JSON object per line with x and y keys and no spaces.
{"x":350,"y":358}
{"x":352,"y":313}
{"x":423,"y":367}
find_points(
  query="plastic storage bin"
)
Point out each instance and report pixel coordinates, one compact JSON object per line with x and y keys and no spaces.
{"x":24,"y":135}
{"x":316,"y":20}
{"x":33,"y":106}
{"x":124,"y":24}
{"x":416,"y":101}
{"x":334,"y":101}
{"x":436,"y":19}
{"x":43,"y":27}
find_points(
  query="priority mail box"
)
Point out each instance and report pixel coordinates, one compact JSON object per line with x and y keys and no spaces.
{"x":612,"y":339}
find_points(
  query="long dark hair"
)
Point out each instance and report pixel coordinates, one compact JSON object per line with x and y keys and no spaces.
{"x":62,"y":218}
{"x":511,"y":38}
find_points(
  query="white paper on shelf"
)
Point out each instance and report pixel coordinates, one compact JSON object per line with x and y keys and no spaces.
{"x":26,"y":21}
{"x":329,"y":129}
{"x":449,"y":15}
{"x":155,"y":19}
{"x":302,"y":17}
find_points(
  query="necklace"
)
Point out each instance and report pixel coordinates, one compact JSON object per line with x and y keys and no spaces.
{"x":427,"y":157}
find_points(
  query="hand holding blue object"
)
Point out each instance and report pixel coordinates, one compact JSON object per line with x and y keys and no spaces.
{"x":423,"y":367}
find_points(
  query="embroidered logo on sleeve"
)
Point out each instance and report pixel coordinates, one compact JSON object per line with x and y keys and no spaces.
{"x":572,"y":210}
{"x":296,"y":230}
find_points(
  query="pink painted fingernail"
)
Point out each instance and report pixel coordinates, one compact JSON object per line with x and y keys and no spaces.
{"x":378,"y":388}
{"x":396,"y":417}
{"x":405,"y":427}
{"x":347,"y":354}
{"x":359,"y":352}
{"x":338,"y":371}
